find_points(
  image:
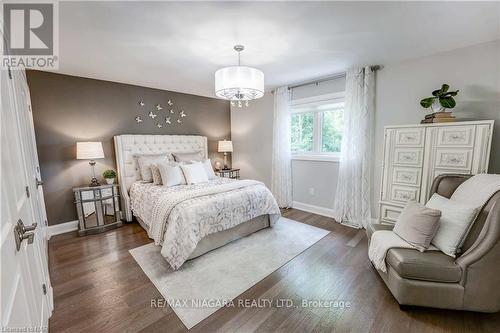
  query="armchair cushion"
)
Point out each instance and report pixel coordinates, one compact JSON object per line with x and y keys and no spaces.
{"x":427,"y":266}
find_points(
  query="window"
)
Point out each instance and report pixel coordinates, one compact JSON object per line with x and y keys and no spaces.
{"x":316,"y":127}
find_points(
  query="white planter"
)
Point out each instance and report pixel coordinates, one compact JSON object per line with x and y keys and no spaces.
{"x":436,"y":106}
{"x":110,"y":181}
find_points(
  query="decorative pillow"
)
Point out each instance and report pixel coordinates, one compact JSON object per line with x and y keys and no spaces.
{"x":454,"y":224}
{"x":171,"y":174}
{"x":156,"y":174}
{"x":209,"y":170}
{"x":145,"y":161}
{"x":186,"y":157}
{"x":194,"y":173}
{"x":417,"y":225}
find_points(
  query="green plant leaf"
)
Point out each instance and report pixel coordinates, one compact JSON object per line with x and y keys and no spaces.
{"x":445,"y":87}
{"x":427,"y":102}
{"x":436,"y":92}
{"x":447,"y":102}
{"x":451,"y":93}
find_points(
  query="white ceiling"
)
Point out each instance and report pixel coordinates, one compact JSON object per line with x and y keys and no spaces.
{"x":178,"y":46}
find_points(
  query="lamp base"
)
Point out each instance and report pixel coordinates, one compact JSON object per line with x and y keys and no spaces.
{"x":94,"y":182}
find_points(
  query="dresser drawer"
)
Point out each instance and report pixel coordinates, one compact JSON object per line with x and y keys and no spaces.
{"x":389,"y":213}
{"x":410,"y":137}
{"x":454,"y":158}
{"x":404,"y":193}
{"x":456,"y":136}
{"x":408,"y":156}
{"x":406,"y":176}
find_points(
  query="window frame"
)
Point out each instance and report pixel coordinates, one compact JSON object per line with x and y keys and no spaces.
{"x":316,"y":154}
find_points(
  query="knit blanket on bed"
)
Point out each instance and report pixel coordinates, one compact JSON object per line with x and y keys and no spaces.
{"x":180,"y":219}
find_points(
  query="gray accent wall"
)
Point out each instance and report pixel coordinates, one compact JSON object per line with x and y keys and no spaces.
{"x":67,"y":109}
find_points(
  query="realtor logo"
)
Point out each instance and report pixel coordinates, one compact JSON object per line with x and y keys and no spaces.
{"x":30,"y":35}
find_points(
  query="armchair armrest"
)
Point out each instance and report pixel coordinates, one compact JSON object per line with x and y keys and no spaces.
{"x":372,"y":227}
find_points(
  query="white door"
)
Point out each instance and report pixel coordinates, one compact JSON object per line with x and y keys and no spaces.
{"x":34,"y":177}
{"x":25,"y":300}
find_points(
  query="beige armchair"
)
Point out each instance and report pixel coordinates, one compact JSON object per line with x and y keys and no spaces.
{"x":433,"y":279}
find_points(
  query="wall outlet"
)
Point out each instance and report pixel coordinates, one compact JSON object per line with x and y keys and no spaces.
{"x":311,"y":190}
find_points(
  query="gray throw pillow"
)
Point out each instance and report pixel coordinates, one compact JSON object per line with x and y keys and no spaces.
{"x":417,"y":225}
{"x":187,"y":157}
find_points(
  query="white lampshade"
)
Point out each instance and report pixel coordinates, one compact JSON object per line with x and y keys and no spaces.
{"x":239,"y":83}
{"x":89,"y":150}
{"x":225,"y":146}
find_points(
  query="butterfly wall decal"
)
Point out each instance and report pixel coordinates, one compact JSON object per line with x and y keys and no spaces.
{"x":167,"y":120}
{"x":152,"y":115}
{"x":179,"y":121}
{"x":159,"y":107}
{"x":182,"y":114}
{"x":170,"y":103}
{"x":159,"y":125}
{"x":172,"y":111}
{"x":138,"y":119}
{"x":141,"y":102}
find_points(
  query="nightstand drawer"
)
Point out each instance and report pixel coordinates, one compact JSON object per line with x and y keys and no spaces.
{"x":229,"y":173}
{"x":98,"y":208}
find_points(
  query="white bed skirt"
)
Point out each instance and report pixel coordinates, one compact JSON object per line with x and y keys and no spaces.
{"x":218,"y":239}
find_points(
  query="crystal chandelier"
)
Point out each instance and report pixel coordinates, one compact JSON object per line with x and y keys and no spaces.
{"x":239,"y":84}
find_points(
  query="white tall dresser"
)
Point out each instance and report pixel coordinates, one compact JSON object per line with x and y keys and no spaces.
{"x":415,"y":154}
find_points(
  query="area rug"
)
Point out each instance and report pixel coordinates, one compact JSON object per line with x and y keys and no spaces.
{"x":205,"y":284}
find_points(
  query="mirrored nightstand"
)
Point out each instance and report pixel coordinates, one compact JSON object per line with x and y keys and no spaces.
{"x":228,"y":173}
{"x":98,"y":208}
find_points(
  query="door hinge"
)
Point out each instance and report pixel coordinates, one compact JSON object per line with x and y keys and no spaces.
{"x":10,"y":73}
{"x":44,"y":289}
{"x":27,"y":191}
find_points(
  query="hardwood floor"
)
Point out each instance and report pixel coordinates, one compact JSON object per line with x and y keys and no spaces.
{"x":98,"y":287}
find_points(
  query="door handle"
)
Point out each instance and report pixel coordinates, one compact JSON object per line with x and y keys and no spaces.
{"x":39,"y":183}
{"x":23,"y":232}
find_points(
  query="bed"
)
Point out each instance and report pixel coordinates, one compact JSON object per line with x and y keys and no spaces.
{"x":189,"y":220}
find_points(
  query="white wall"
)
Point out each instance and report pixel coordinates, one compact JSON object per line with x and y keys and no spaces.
{"x":252,"y":136}
{"x":474,"y":70}
{"x":314,"y":182}
{"x":251,"y":133}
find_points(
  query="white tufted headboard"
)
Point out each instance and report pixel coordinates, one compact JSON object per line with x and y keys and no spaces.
{"x":128,"y":145}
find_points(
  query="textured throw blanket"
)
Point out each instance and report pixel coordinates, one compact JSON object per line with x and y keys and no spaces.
{"x":381,"y":242}
{"x":477,"y":190}
{"x":180,"y":219}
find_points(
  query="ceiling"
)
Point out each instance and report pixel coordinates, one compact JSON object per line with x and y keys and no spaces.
{"x":179,"y":45}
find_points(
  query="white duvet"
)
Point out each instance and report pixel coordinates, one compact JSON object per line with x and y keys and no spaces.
{"x":180,"y":216}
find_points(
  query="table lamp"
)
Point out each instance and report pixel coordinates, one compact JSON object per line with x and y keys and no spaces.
{"x":90,"y":151}
{"x":225,"y":147}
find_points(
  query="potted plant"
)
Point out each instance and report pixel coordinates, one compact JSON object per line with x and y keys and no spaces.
{"x":441,"y":99}
{"x":110,"y":176}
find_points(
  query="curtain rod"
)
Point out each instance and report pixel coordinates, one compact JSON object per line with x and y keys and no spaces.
{"x":328,"y":78}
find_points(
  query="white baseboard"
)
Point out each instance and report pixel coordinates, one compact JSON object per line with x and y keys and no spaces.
{"x":61,"y":228}
{"x":328,"y":212}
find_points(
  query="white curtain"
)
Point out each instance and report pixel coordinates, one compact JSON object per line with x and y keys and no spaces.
{"x":281,"y":176}
{"x":352,"y":200}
